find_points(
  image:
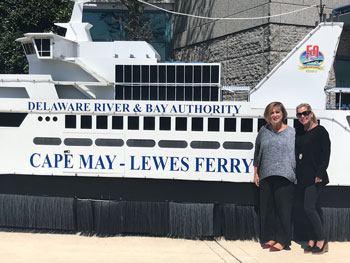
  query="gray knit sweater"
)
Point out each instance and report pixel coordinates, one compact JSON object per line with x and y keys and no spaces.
{"x":275,"y":153}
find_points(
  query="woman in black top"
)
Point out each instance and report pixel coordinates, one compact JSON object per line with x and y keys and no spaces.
{"x":312,"y":147}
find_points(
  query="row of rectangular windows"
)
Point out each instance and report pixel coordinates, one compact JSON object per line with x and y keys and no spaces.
{"x":149,"y":123}
{"x":169,"y":93}
{"x":167,"y":73}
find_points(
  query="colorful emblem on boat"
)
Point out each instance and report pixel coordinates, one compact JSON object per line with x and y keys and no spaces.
{"x":312,"y":58}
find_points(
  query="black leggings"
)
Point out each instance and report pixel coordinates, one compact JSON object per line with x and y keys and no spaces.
{"x":310,"y":196}
{"x":276,"y":202}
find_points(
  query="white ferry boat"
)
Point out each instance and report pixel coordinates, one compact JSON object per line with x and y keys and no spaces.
{"x":108,"y":121}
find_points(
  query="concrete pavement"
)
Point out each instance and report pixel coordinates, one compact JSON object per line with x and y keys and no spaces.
{"x":54,"y":248}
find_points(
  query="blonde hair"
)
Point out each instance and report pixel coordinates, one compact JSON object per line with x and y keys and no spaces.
{"x":269,"y":108}
{"x":308,"y":107}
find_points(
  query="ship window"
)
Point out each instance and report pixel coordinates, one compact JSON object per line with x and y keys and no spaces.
{"x":8,"y":119}
{"x":214,"y":93}
{"x":13,"y":92}
{"x":149,"y":123}
{"x":127,"y":92}
{"x":43,"y":47}
{"x":170,"y":74}
{"x":238,"y":145}
{"x":181,"y":123}
{"x":145,"y":92}
{"x":133,"y":123}
{"x":117,"y":122}
{"x":136,"y":93}
{"x":188,"y":74}
{"x":86,"y":122}
{"x":205,"y":145}
{"x":119,"y":73}
{"x":197,"y":94}
{"x":109,"y":142}
{"x":101,"y":122}
{"x":144,"y":74}
{"x":172,"y":144}
{"x":230,"y":125}
{"x":197,"y":124}
{"x":70,"y":121}
{"x":136,"y":73}
{"x":246,"y":125}
{"x":214,"y":74}
{"x":206,"y":74}
{"x":164,"y":123}
{"x":197,"y":74}
{"x":140,"y":143}
{"x":170,"y":93}
{"x":127,"y":73}
{"x":180,"y":74}
{"x":205,"y":93}
{"x":261,"y":123}
{"x":119,"y":92}
{"x":180,"y":93}
{"x":162,"y":93}
{"x":78,"y":142}
{"x":47,"y":141}
{"x":188,"y":93}
{"x":153,"y":74}
{"x":29,"y":48}
{"x":161,"y":74}
{"x":213,"y":124}
{"x":153,"y":93}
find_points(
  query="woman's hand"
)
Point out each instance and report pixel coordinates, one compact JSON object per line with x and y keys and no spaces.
{"x":256,"y":180}
{"x":318,"y":180}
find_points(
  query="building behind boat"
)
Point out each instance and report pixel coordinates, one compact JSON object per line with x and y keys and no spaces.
{"x":247,"y":49}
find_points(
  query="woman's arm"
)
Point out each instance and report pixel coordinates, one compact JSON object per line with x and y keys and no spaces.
{"x":324,"y":156}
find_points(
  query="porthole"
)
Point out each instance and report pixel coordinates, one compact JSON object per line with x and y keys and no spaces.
{"x":47,"y":141}
{"x":205,"y":145}
{"x":54,"y":119}
{"x":238,"y":145}
{"x":77,"y":142}
{"x":40,"y":118}
{"x":47,"y":118}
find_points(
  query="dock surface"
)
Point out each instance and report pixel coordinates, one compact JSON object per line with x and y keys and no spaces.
{"x":54,"y":248}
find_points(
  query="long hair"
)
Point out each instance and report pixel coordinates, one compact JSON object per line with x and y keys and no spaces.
{"x":269,"y":108}
{"x":308,"y":107}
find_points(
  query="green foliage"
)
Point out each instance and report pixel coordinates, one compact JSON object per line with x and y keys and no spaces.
{"x":18,"y":17}
{"x":134,"y":29}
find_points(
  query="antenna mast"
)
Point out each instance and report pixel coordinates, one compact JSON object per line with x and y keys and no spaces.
{"x":321,"y":11}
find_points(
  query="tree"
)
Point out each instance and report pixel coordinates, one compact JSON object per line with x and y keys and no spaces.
{"x":133,"y":27}
{"x":23,"y":16}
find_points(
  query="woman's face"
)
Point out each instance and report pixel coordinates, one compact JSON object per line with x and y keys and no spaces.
{"x":276,"y":116}
{"x":304,"y":116}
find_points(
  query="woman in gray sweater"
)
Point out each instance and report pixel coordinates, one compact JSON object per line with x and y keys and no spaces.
{"x":274,"y":174}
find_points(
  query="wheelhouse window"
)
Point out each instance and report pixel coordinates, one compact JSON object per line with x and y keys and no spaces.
{"x":86,"y":122}
{"x":43,"y":46}
{"x":29,"y":48}
{"x":164,"y":123}
{"x":101,"y":122}
{"x":165,"y":81}
{"x":197,"y":124}
{"x":70,"y":121}
{"x":133,"y":123}
{"x":117,"y":122}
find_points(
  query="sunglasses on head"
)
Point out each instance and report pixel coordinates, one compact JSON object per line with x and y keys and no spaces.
{"x":305,"y":113}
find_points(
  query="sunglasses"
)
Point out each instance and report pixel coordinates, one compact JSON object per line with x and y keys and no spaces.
{"x":305,"y":113}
